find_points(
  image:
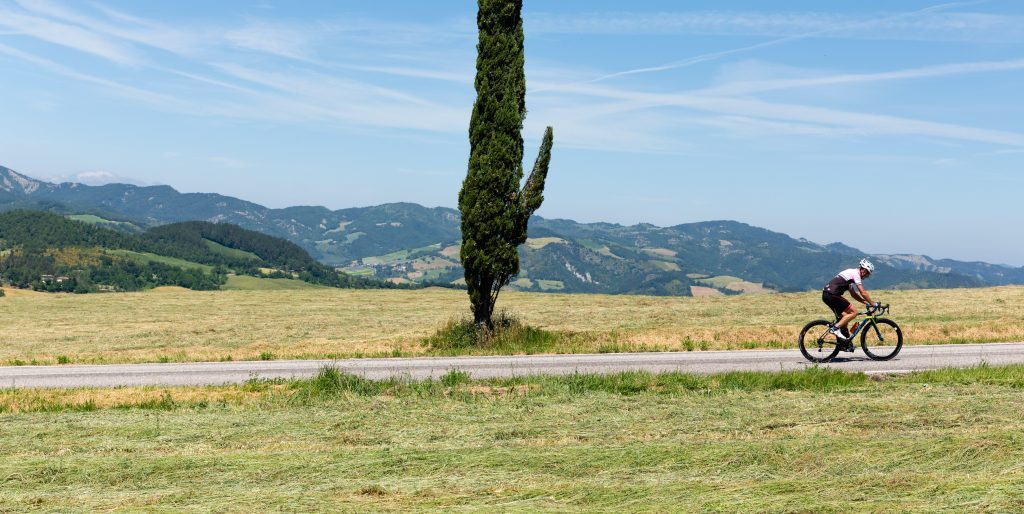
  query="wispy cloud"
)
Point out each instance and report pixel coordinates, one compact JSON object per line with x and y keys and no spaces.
{"x":293,"y":41}
{"x":107,"y":85}
{"x":760,"y":86}
{"x":229,"y":162}
{"x":817,"y":30}
{"x":463,"y":77}
{"x":868,"y":124}
{"x":927,"y":25}
{"x":314,"y":95}
{"x":272,"y":70}
{"x":118,"y":28}
{"x":309,"y":90}
{"x":65,"y":35}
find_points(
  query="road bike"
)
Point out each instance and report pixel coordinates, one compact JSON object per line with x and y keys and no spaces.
{"x":881,"y":338}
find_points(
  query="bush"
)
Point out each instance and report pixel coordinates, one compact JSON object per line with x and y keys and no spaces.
{"x":332,"y":382}
{"x":510,"y":335}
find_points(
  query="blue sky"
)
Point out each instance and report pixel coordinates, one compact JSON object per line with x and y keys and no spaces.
{"x":891,"y":126}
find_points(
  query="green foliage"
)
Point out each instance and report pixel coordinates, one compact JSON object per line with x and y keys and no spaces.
{"x":25,"y":269}
{"x":495,"y":212}
{"x":146,"y":257}
{"x":455,"y":334}
{"x":330,"y":382}
{"x":92,"y":219}
{"x":36,"y":231}
{"x":232,"y":252}
{"x":455,"y":377}
{"x":507,"y":335}
{"x":192,"y":236}
{"x":195,"y":255}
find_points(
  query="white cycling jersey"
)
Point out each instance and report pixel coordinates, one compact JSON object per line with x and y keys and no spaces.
{"x":843,"y":281}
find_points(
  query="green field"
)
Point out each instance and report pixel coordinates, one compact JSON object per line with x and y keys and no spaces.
{"x":152,"y":257}
{"x":400,"y":255}
{"x":300,"y":321}
{"x":550,"y":285}
{"x":813,"y":441}
{"x":664,"y":265}
{"x":362,"y":272}
{"x":96,"y":220}
{"x":230,"y":252}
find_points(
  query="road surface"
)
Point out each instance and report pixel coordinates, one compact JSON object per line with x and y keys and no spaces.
{"x":214,"y":373}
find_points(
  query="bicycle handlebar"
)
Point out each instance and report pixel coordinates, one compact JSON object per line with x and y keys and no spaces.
{"x":881,"y":309}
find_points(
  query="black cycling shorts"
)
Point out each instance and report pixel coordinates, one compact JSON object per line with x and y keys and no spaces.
{"x":837,"y":303}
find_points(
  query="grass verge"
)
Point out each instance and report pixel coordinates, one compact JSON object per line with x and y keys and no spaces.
{"x":330,"y":383}
{"x":816,"y":440}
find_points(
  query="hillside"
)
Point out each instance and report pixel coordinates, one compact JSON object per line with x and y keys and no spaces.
{"x":333,"y":237}
{"x":49,"y":252}
{"x":409,"y":243}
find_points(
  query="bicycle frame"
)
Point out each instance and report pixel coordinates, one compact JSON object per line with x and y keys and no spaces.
{"x":869,"y":319}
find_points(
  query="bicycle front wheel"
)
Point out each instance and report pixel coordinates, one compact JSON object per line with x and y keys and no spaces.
{"x":817,"y":342}
{"x":883,"y":340}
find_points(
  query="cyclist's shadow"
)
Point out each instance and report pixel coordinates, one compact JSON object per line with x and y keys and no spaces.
{"x":852,"y":358}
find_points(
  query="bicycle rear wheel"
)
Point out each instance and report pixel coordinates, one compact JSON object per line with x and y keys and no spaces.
{"x":882,"y":341}
{"x":817,"y":343}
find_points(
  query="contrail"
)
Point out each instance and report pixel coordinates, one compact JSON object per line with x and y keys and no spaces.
{"x":716,"y":55}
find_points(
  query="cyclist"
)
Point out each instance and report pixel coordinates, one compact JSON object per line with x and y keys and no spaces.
{"x":832,"y":295}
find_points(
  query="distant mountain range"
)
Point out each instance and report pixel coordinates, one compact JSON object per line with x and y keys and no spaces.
{"x":405,"y":242}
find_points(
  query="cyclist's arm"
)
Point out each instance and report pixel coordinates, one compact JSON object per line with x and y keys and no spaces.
{"x":856,"y":294}
{"x":865,"y":298}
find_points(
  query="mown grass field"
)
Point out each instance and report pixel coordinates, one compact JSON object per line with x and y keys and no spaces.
{"x":181,"y":325}
{"x":810,"y":441}
{"x":247,"y":283}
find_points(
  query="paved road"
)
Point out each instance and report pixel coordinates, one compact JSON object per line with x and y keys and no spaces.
{"x":212,"y":373}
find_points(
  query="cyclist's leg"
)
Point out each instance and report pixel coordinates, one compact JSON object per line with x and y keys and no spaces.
{"x":837,"y":304}
{"x":848,"y":314}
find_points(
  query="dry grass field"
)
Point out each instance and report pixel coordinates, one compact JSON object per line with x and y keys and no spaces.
{"x":182,"y":325}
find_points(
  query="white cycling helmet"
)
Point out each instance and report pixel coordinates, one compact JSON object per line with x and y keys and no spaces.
{"x":866,"y":264}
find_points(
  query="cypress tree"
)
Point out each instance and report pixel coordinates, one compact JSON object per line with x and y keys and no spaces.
{"x":495,"y":210}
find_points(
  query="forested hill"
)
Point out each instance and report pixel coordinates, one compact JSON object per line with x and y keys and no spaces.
{"x":36,"y":245}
